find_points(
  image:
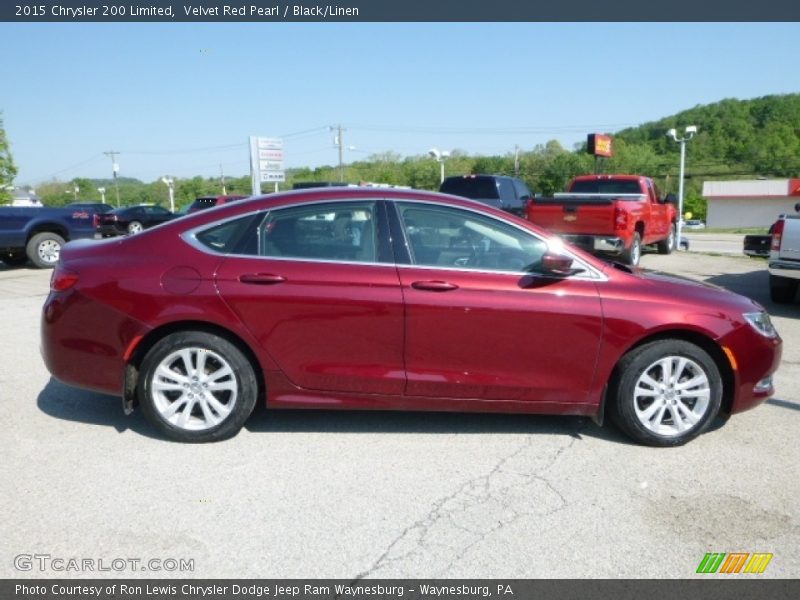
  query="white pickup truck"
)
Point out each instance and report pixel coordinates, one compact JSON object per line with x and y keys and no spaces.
{"x":784,"y":258}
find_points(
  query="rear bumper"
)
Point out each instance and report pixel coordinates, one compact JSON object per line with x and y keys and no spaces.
{"x":597,"y":243}
{"x":789,"y":269}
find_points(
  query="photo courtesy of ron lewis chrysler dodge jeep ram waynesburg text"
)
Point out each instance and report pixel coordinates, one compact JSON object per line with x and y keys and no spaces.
{"x":394,"y":299}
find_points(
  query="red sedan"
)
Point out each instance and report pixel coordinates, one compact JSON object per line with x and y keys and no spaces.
{"x":394,"y":299}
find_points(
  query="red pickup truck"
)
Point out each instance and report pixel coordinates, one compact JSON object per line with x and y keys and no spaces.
{"x":610,"y":214}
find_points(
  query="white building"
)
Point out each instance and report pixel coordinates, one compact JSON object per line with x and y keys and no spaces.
{"x":749,"y":203}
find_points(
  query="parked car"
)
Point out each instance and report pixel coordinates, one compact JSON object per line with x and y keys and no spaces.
{"x":784,"y":258}
{"x":37,"y":233}
{"x":611,"y":215}
{"x":694,"y":224}
{"x":210,"y":202}
{"x":132,"y":219}
{"x":331,"y":298}
{"x":506,"y":193}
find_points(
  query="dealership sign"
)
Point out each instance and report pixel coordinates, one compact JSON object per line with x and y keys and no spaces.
{"x":266,"y":162}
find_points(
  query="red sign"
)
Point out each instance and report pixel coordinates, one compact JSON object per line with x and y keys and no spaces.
{"x":599,"y":144}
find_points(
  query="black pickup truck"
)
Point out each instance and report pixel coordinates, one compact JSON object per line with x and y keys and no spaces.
{"x":37,"y":233}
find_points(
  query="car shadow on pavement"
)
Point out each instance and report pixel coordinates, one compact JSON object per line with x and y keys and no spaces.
{"x":755,"y":285}
{"x":81,"y":406}
{"x":380,"y":421}
{"x":72,"y":404}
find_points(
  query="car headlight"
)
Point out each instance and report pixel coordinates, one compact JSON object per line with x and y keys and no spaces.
{"x":761,"y":322}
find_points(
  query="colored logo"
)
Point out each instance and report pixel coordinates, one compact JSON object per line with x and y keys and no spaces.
{"x":734,"y":562}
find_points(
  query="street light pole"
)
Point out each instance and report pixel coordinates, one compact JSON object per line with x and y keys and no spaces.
{"x":170,"y":183}
{"x":439,"y":156}
{"x":102,"y":191}
{"x":689,"y":131}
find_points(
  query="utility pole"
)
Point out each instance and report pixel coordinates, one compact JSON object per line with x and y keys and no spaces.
{"x":516,"y":160}
{"x":340,"y":144}
{"x":115,"y":170}
{"x":222,"y":177}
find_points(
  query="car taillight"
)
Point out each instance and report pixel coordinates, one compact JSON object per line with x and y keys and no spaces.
{"x":95,"y":220}
{"x":62,"y":279}
{"x":620,"y":219}
{"x":777,"y":234}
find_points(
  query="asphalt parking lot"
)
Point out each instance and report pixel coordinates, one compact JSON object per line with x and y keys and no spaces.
{"x":326,"y":494}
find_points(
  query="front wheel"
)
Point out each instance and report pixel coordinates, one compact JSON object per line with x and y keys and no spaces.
{"x":44,"y":249}
{"x":665,"y":393}
{"x":197,"y":387}
{"x":632,"y":254}
{"x":668,"y":245}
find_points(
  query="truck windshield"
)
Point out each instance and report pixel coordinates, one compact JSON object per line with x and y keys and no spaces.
{"x":476,"y":188}
{"x":605,"y":186}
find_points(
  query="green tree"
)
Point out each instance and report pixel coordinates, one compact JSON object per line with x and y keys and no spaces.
{"x":8,"y":170}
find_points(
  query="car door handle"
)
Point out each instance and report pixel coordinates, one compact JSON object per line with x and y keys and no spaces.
{"x":434,"y":286}
{"x":261,"y":278}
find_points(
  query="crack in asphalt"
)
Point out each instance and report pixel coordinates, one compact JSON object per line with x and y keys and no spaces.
{"x":476,"y":493}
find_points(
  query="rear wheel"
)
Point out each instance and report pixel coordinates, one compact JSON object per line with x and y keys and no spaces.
{"x":197,"y":387}
{"x":135,"y":227}
{"x":782,"y":289}
{"x":668,"y":245}
{"x":44,"y":249}
{"x":632,"y":254}
{"x":665,"y":393}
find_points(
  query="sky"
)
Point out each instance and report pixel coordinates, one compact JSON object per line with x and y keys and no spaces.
{"x":181,"y":99}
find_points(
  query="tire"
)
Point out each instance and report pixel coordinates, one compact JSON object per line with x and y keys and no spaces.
{"x":220,"y":395}
{"x":782,"y":290}
{"x":135,"y":227}
{"x":665,"y":416}
{"x":14,"y":260}
{"x":44,"y":249}
{"x":632,"y":254}
{"x":668,"y":245}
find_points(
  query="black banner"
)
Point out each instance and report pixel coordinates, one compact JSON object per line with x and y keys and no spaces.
{"x":408,"y":589}
{"x":397,"y":11}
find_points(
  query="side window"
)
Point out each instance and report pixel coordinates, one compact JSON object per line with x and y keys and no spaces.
{"x":452,"y":237}
{"x":507,"y":194}
{"x":340,"y":231}
{"x":239,"y":236}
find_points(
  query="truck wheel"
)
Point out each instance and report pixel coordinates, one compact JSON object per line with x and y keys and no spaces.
{"x":782,"y":290}
{"x":632,"y":254}
{"x":668,"y":245}
{"x":665,"y":393}
{"x":13,"y":260}
{"x":44,"y":249}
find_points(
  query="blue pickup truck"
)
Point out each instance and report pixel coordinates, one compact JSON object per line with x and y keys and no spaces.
{"x":37,"y":233}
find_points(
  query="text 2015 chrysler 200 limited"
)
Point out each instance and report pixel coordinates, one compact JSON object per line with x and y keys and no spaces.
{"x":394,"y":299}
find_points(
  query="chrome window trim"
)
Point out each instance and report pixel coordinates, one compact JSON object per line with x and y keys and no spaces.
{"x":190,"y":237}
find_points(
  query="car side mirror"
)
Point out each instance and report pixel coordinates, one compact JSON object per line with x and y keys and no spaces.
{"x":671,"y":199}
{"x":556,"y":264}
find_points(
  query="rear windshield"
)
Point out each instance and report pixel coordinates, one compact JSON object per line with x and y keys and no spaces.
{"x":606,"y":186}
{"x":476,"y":188}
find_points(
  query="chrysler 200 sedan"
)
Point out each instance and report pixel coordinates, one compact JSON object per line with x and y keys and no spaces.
{"x":394,"y":299}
